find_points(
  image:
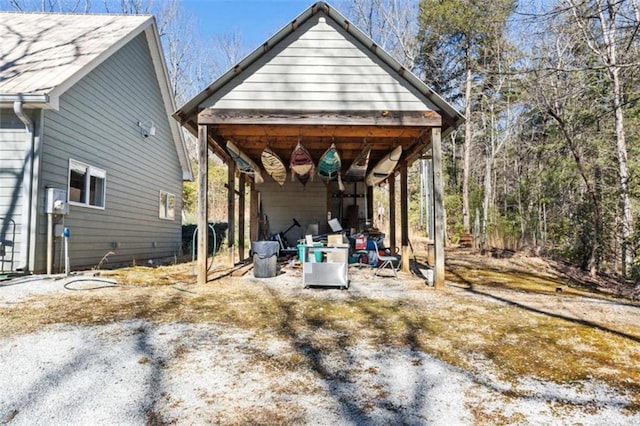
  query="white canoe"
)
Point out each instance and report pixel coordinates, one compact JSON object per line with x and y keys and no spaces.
{"x":384,"y":168}
{"x":358,"y":169}
{"x":244,"y":163}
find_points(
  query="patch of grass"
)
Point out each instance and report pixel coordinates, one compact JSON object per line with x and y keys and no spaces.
{"x":514,"y":280}
{"x":148,"y":276}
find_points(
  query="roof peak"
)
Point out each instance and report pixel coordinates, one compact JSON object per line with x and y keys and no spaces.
{"x":320,"y":9}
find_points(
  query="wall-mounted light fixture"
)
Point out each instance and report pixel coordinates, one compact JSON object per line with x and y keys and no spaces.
{"x":147,"y":128}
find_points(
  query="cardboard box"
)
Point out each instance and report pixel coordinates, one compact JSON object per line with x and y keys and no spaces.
{"x":334,"y":240}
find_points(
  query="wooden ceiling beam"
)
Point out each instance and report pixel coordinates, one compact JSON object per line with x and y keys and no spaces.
{"x":423,"y":148}
{"x":319,"y":118}
{"x":411,"y":152}
{"x":218,"y":145}
{"x":290,"y":143}
{"x":275,"y":131}
{"x":350,"y":134}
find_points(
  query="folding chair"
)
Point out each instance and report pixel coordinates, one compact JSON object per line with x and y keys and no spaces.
{"x":386,"y":261}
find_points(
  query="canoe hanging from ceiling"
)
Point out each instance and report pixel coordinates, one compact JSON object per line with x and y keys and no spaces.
{"x":384,"y":167}
{"x":330,"y":165}
{"x":301,"y":164}
{"x":244,"y":163}
{"x":358,"y":169}
{"x":274,"y":166}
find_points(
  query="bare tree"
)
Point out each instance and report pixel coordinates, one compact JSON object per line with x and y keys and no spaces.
{"x":603,"y":25}
{"x":76,"y":6}
{"x":499,"y":120}
{"x":559,"y":87}
{"x":465,"y":29}
{"x":130,"y":7}
{"x":390,"y":23}
{"x":229,"y":49}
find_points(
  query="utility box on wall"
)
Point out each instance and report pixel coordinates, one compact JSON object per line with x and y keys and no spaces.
{"x":56,"y":201}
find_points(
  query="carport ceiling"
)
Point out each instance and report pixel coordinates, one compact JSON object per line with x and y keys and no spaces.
{"x":282,"y":139}
{"x":253,"y":131}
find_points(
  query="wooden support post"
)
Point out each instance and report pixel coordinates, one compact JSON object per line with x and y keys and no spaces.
{"x":231,"y":207}
{"x":438,"y":208}
{"x":242,"y":186}
{"x":329,"y":203}
{"x":370,"y":212}
{"x":253,"y":209}
{"x":392,"y":213}
{"x":202,"y":206}
{"x":404,"y":216}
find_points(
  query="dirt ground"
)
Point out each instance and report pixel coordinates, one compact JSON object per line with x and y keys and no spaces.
{"x":516,"y":340}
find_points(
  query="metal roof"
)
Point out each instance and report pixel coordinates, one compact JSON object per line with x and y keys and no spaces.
{"x":43,"y":54}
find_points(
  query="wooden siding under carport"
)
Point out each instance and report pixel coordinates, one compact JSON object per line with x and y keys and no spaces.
{"x":281,"y":204}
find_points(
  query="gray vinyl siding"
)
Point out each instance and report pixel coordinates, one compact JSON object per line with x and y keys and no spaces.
{"x":283,"y":203}
{"x":97,"y":124}
{"x":320,"y":67}
{"x":12,"y":150}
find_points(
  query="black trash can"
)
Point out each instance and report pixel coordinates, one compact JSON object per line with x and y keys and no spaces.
{"x":265,"y":258}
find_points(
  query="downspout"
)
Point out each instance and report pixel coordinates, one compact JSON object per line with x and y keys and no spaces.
{"x":27,"y":182}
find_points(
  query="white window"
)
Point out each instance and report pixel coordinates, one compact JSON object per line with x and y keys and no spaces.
{"x":86,"y":185}
{"x":167,"y":207}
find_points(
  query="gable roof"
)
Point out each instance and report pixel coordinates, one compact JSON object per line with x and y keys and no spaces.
{"x":217,"y":94}
{"x":42,"y":55}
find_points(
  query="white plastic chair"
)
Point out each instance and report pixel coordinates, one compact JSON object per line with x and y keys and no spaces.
{"x":386,"y":261}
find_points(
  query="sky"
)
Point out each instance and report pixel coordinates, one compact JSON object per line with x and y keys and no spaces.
{"x":256,"y":20}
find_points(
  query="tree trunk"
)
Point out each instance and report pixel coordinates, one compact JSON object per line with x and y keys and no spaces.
{"x":621,"y":144}
{"x":610,"y":58}
{"x":488,"y":189}
{"x":592,"y":264}
{"x":467,"y":147}
{"x":609,"y":13}
{"x":621,"y":148}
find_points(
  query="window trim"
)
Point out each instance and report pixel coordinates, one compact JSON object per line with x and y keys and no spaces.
{"x":90,"y":171}
{"x":164,"y":207}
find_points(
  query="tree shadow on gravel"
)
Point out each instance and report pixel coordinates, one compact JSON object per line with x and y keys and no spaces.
{"x":78,"y":360}
{"x":154,"y":386}
{"x":20,"y":402}
{"x":413,"y":339}
{"x":341,"y":382}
